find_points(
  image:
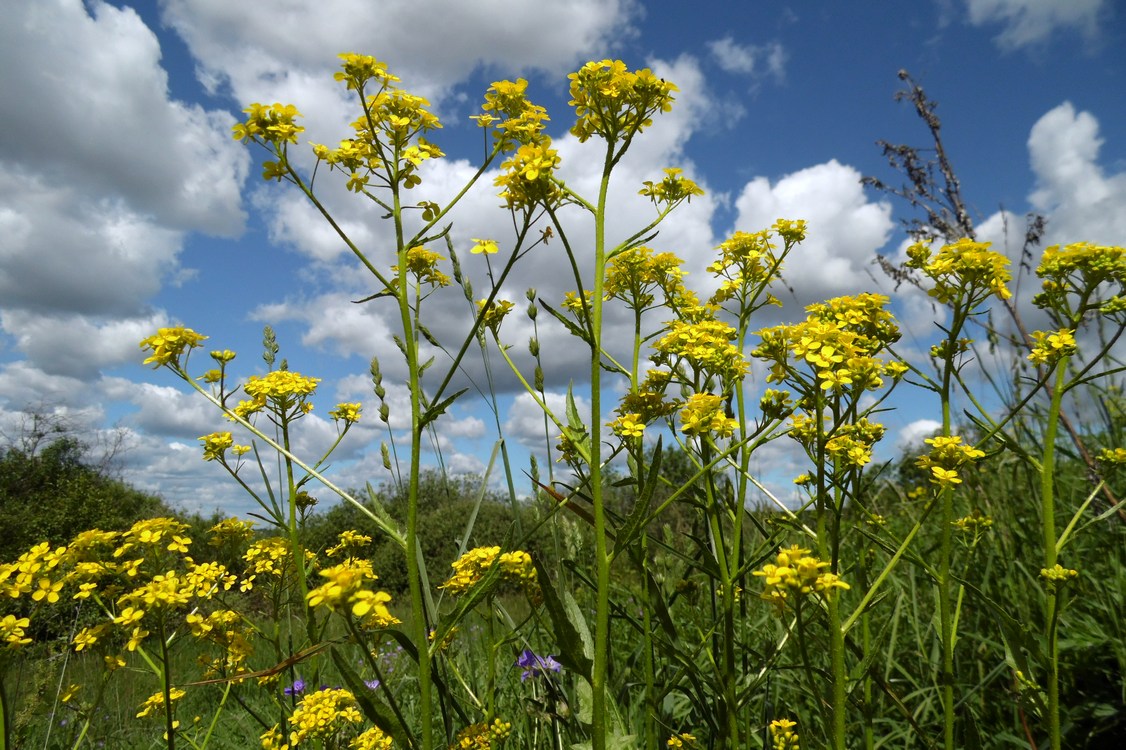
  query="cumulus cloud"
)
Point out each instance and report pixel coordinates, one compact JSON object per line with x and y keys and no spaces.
{"x":1028,"y":22}
{"x":754,"y":60}
{"x":911,"y":435}
{"x":253,"y":53}
{"x":1083,"y":203}
{"x":524,"y":422}
{"x":76,"y":345}
{"x":106,"y":127}
{"x":68,"y":251}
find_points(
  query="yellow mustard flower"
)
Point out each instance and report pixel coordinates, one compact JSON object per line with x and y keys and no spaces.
{"x":169,"y":344}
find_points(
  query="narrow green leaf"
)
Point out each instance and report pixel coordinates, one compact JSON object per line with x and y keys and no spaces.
{"x":572,"y":636}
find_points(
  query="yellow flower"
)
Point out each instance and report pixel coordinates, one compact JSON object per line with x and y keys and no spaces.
{"x":704,"y":413}
{"x":628,"y":426}
{"x":1058,"y":573}
{"x":1050,"y":346}
{"x":681,"y":741}
{"x":156,"y":701}
{"x":322,"y":714}
{"x":12,"y":630}
{"x":215,"y":445}
{"x":672,"y":188}
{"x":488,"y":247}
{"x":782,"y":735}
{"x":349,"y":413}
{"x":168,"y":344}
{"x":944,"y":477}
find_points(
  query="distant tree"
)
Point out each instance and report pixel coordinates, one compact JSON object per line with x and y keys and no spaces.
{"x":50,"y":493}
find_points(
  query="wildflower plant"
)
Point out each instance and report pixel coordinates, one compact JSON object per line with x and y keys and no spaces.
{"x":641,"y":631}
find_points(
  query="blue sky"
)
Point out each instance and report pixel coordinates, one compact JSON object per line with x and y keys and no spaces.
{"x":125,"y":205}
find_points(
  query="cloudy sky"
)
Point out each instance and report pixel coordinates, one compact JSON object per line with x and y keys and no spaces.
{"x":125,"y":205}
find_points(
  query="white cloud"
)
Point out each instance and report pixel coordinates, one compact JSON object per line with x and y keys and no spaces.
{"x":1081,"y":201}
{"x":911,"y":436}
{"x":1027,"y":22}
{"x":67,"y":251}
{"x":754,"y":60}
{"x":525,"y":419}
{"x":107,"y":128}
{"x":76,"y":345}
{"x":431,"y":44}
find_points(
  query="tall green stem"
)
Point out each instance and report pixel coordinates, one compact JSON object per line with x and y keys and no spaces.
{"x":1048,"y":511}
{"x":601,"y":554}
{"x":840,"y":677}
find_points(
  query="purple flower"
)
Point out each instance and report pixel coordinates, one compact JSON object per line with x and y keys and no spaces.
{"x":535,"y":666}
{"x":296,"y":688}
{"x":372,"y":684}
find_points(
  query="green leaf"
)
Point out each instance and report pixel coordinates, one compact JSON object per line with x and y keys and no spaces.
{"x":572,"y":636}
{"x":439,"y":408}
{"x":570,"y":325}
{"x":632,"y":528}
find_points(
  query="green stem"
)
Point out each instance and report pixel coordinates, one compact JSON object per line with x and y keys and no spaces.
{"x":5,"y":729}
{"x":599,"y":729}
{"x":169,"y":726}
{"x":1048,"y":511}
{"x":840,"y":676}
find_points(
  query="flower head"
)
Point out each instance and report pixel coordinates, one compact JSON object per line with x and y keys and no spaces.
{"x":536,"y":666}
{"x":168,"y":344}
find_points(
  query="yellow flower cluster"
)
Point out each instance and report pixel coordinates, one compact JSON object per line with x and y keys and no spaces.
{"x":526,"y":177}
{"x":705,"y":346}
{"x":628,"y":425}
{"x":1095,"y":275}
{"x":783,"y":736}
{"x":1113,"y":455}
{"x":391,"y":123}
{"x":1058,"y":574}
{"x":520,"y":121}
{"x":345,"y":590}
{"x":230,"y":530}
{"x":492,"y":313}
{"x":682,"y":741}
{"x":322,"y":714}
{"x":672,"y":189}
{"x":269,"y":123}
{"x":348,"y":413}
{"x":423,"y":265}
{"x":705,"y":413}
{"x":964,"y":272}
{"x":155,"y":702}
{"x":12,"y":630}
{"x":633,"y":275}
{"x":372,"y":739}
{"x":270,"y":556}
{"x":838,"y":342}
{"x":796,"y":571}
{"x":1050,"y":347}
{"x":284,"y":390}
{"x":216,"y":444}
{"x":975,"y":523}
{"x":348,"y":540}
{"x":947,"y":454}
{"x":614,"y":103}
{"x":226,"y":629}
{"x":482,"y":736}
{"x":851,"y":444}
{"x":515,"y":566}
{"x":169,"y":344}
{"x":748,"y":262}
